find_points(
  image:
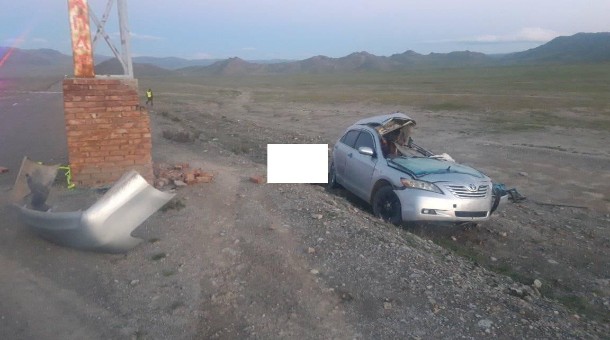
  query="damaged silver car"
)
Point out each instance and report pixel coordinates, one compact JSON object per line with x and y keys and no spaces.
{"x":377,"y":160}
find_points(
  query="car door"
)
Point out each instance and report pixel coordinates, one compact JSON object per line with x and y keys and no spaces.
{"x":359,"y":167}
{"x":341,"y":149}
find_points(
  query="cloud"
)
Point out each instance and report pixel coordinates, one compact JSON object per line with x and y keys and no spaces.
{"x":14,"y":41}
{"x":39,"y":41}
{"x":136,"y":36}
{"x":202,"y":55}
{"x":528,"y":34}
{"x":145,"y":37}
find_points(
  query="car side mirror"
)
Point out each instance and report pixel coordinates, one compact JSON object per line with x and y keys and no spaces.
{"x":365,"y":150}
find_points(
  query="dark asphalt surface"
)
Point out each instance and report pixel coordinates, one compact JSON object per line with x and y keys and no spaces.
{"x":40,"y":280}
{"x":31,"y":124}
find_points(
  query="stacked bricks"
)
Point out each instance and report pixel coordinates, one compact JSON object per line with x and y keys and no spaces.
{"x":108,"y":131}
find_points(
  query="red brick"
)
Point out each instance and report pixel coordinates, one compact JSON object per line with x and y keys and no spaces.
{"x":87,"y":148}
{"x":257,"y":179}
{"x":90,"y":160}
{"x":75,"y":133}
{"x":101,"y":153}
{"x":204,"y":179}
{"x":114,"y":158}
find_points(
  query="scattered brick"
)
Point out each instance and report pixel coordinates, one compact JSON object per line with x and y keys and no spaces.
{"x":180,"y":173}
{"x":257,"y":179}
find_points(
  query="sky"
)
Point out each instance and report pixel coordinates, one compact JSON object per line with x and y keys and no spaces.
{"x":298,"y":29}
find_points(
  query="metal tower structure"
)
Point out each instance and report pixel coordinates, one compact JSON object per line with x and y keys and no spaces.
{"x":124,"y":54}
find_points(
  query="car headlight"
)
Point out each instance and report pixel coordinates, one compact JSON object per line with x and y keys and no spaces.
{"x":421,"y":185}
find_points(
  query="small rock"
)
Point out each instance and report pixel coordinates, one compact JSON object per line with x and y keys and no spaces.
{"x":503,"y":234}
{"x":229,"y":251}
{"x":453,"y":238}
{"x":518,"y":292}
{"x":552,"y":261}
{"x":524,"y":174}
{"x":134,"y":282}
{"x":537,"y":283}
{"x":387,"y":305}
{"x":314,"y":271}
{"x":316,"y":216}
{"x":311,"y":250}
{"x":179,"y":183}
{"x":493,"y":259}
{"x":485,"y":324}
{"x":161,"y":182}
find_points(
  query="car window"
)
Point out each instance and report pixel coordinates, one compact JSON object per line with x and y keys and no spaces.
{"x":365,"y":139}
{"x":350,"y":138}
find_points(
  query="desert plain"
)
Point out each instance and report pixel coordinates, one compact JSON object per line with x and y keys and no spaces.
{"x":235,"y":259}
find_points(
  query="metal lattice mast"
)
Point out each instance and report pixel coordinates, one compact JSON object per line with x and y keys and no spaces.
{"x":124,"y":54}
{"x":125,"y":38}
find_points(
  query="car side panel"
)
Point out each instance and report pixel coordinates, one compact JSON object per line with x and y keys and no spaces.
{"x":360,"y":170}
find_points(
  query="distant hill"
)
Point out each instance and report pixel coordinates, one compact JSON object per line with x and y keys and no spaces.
{"x":40,"y":62}
{"x":113,"y":66}
{"x":229,"y":67}
{"x":173,"y":63}
{"x":578,"y":48}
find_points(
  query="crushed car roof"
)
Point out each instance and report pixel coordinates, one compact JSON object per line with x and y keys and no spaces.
{"x":379,"y":120}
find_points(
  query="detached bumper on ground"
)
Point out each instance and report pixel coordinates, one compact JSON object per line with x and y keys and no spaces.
{"x":107,"y":225}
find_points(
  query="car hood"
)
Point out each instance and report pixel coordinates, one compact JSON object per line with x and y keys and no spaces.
{"x":436,"y":170}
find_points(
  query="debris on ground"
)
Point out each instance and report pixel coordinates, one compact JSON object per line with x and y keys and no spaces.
{"x":180,"y":175}
{"x":3,"y":170}
{"x":257,"y":179}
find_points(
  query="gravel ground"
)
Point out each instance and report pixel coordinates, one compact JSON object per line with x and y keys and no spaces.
{"x":243,"y":260}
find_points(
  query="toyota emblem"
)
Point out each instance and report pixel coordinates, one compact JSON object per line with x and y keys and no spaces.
{"x":472,"y":187}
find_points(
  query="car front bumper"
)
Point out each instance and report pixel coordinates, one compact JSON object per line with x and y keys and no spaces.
{"x":420,"y":205}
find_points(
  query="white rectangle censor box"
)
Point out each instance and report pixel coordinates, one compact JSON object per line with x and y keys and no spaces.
{"x":297,"y":163}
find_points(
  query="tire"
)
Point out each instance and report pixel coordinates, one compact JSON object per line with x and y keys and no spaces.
{"x":386,"y":205}
{"x":332,"y":177}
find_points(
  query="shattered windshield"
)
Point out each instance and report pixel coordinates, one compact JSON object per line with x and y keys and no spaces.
{"x":421,"y":166}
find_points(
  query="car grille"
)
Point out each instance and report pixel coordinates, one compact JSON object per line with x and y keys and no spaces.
{"x":471,"y":213}
{"x":464,"y":192}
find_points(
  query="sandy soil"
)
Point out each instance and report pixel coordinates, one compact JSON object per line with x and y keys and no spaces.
{"x":242,"y":260}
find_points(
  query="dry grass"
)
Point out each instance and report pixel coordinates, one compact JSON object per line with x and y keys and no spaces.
{"x":542,"y":90}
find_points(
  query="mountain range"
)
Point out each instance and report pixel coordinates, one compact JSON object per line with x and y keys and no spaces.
{"x":578,"y":48}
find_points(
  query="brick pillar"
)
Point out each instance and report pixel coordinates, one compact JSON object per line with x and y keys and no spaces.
{"x":108,"y":132}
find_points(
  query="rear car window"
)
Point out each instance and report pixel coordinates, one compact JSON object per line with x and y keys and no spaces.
{"x":350,"y":138}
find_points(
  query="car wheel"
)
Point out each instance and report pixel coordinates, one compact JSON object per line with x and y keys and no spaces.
{"x":386,"y":205}
{"x":332,"y":177}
